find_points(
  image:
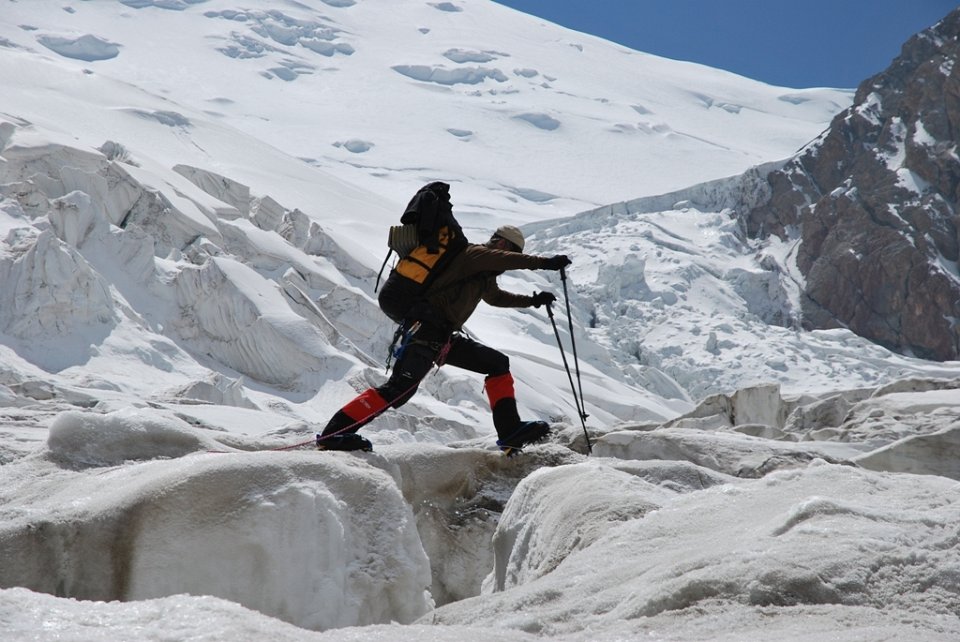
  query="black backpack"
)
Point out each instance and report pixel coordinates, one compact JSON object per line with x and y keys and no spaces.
{"x":427,"y":240}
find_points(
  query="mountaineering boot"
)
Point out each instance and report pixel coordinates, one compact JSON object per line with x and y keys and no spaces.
{"x":513,"y":434}
{"x":503,"y":403}
{"x":340,"y":433}
{"x":529,"y":432}
{"x":345,"y":441}
{"x":339,"y":423}
{"x":355,"y":415}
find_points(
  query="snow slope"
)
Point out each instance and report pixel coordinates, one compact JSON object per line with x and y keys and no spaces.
{"x":392,"y":93}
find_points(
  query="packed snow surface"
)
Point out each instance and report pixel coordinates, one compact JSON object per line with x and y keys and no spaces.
{"x":194,"y":198}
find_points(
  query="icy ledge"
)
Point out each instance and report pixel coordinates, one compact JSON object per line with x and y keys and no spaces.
{"x":320,"y":542}
{"x":771,"y":528}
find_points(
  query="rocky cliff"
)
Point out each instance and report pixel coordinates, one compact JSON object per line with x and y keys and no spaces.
{"x":874,"y":204}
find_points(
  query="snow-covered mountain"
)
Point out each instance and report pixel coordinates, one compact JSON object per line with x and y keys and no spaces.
{"x":194,"y":198}
{"x":389,"y":94}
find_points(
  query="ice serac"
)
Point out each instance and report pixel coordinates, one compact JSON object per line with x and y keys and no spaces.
{"x":874,"y":201}
{"x":540,"y":527}
{"x":320,"y":542}
{"x":51,"y":293}
{"x":220,"y":187}
{"x":747,"y":547}
{"x":230,"y":311}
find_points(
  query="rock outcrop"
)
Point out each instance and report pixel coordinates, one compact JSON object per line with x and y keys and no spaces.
{"x":874,"y":204}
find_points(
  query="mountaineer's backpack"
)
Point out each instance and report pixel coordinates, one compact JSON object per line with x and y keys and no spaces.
{"x":427,"y":240}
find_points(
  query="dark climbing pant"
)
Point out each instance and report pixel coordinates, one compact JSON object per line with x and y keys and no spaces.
{"x":420,"y":354}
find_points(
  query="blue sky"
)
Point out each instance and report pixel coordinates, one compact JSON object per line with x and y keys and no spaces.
{"x":793,"y":43}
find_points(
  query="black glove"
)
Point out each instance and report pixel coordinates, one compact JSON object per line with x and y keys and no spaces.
{"x":557,"y":262}
{"x":541,"y":298}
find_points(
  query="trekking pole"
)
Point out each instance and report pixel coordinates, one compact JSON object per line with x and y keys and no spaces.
{"x":576,"y":400}
{"x":573,"y":340}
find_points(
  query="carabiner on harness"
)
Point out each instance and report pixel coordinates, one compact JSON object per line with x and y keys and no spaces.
{"x":401,"y":339}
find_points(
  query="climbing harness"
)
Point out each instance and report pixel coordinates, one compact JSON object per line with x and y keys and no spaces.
{"x":401,"y":339}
